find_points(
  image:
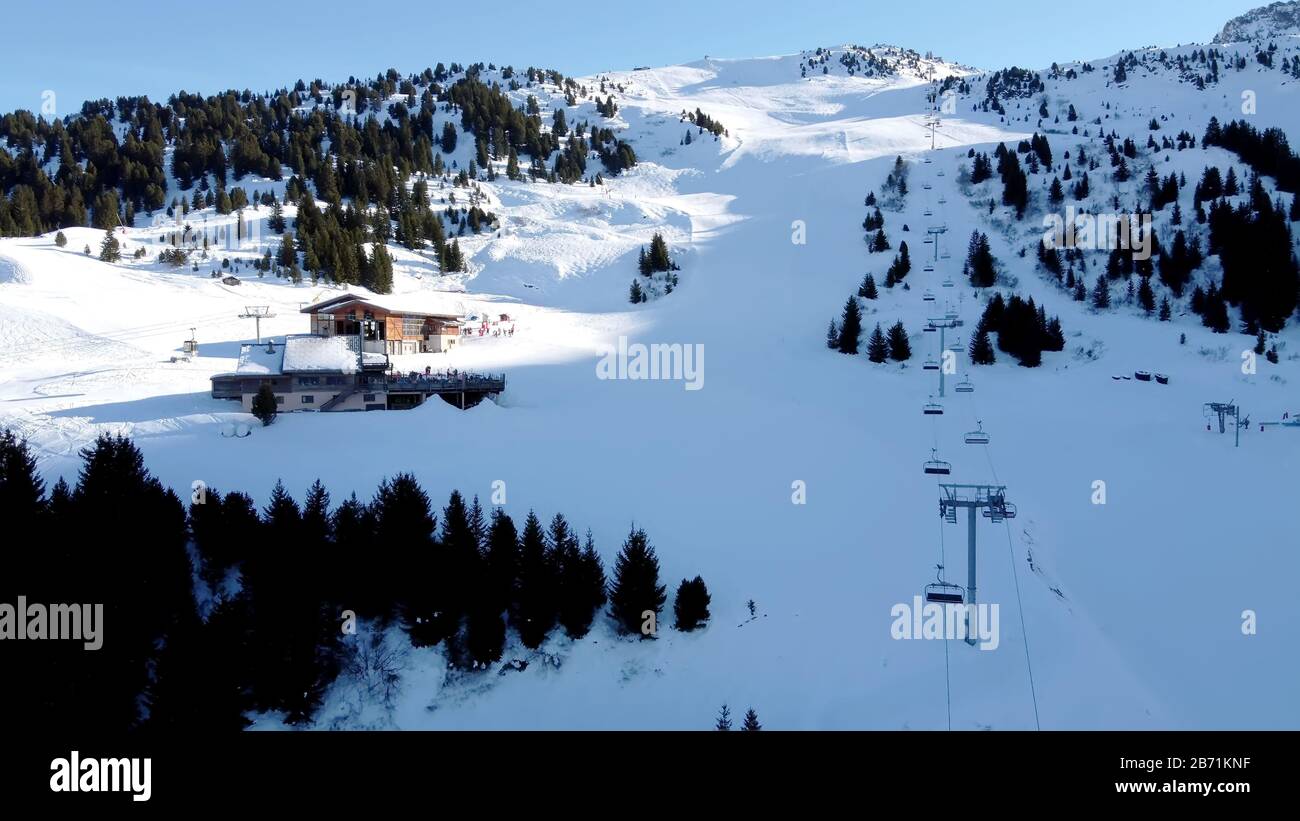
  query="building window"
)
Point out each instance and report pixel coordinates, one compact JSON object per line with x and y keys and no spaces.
{"x":368,"y":397}
{"x":333,"y":380}
{"x":309,"y":380}
{"x":412,"y":326}
{"x":308,"y":399}
{"x":279,"y":400}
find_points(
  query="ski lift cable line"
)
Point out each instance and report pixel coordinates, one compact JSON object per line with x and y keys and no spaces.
{"x":947,"y":668}
{"x":121,"y":335}
{"x":1020,"y":606}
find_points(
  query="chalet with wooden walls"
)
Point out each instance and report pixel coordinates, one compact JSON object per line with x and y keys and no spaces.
{"x":391,"y":325}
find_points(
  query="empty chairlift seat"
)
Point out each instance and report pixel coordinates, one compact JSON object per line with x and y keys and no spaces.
{"x":928,"y":296}
{"x":936,"y":466}
{"x":942,"y":592}
{"x":977,"y":436}
{"x":965,"y":385}
{"x":932,"y":408}
{"x":948,"y":283}
{"x":930,"y":365}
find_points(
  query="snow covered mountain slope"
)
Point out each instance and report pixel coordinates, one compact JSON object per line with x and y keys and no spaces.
{"x":1274,"y":20}
{"x":1125,"y":614}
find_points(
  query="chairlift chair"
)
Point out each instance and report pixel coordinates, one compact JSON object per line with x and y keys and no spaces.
{"x":928,"y":268}
{"x":930,"y":365}
{"x":945,"y":255}
{"x":965,"y":386}
{"x":927,"y":186}
{"x":936,"y":466}
{"x":932,"y":408}
{"x":928,"y":213}
{"x":942,"y":592}
{"x":928,"y":296}
{"x":941,"y":172}
{"x":948,"y":283}
{"x":928,"y":240}
{"x":977,"y":436}
{"x":942,"y":199}
{"x":930,"y":329}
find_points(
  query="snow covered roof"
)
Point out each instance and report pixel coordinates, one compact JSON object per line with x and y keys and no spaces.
{"x":310,"y":354}
{"x":425,"y":303}
{"x":304,"y":353}
{"x":258,"y":359}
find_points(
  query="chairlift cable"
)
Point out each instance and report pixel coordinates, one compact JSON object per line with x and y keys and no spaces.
{"x":947,"y":668}
{"x":1020,"y":606}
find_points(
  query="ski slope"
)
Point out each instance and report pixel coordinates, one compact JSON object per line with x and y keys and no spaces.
{"x":1123,"y":615}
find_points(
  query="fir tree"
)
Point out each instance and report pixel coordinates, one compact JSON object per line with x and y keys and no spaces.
{"x":109,"y":249}
{"x":533,"y":614}
{"x":850,"y":326}
{"x":636,"y":590}
{"x":1101,"y":293}
{"x":723,"y":723}
{"x":877,"y":346}
{"x":751,"y":724}
{"x":867,"y":290}
{"x":981,"y":348}
{"x":900,"y":349}
{"x":264,"y":405}
{"x":691,"y":606}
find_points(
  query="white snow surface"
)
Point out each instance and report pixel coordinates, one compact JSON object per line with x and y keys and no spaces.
{"x":1130,"y":612}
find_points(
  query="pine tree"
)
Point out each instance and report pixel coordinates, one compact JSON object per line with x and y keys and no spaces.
{"x":833,"y":336}
{"x":109,"y":249}
{"x":264,"y":405}
{"x":900,"y":349}
{"x":691,"y":606}
{"x":1146,"y":296}
{"x":636,"y":590}
{"x":981,"y":348}
{"x":867,"y":290}
{"x":751,"y":724}
{"x":1166,"y":312}
{"x":877,"y":346}
{"x":60,"y":240}
{"x":381,"y":269}
{"x":850,"y":326}
{"x":534,"y":611}
{"x":723,"y":723}
{"x":1101,"y":293}
{"x":635,"y":294}
{"x":582,"y":587}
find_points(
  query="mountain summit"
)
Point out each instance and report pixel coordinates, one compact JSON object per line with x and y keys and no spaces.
{"x":1274,"y":20}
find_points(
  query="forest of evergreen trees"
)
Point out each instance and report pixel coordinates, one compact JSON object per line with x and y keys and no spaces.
{"x":330,"y":142}
{"x":221,"y":609}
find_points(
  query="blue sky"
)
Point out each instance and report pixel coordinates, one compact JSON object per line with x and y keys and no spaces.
{"x":88,"y":50}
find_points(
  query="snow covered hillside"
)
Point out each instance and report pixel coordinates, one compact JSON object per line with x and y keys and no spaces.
{"x":1126,"y":614}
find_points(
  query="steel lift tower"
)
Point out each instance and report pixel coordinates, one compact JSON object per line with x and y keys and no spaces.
{"x":991,"y":501}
